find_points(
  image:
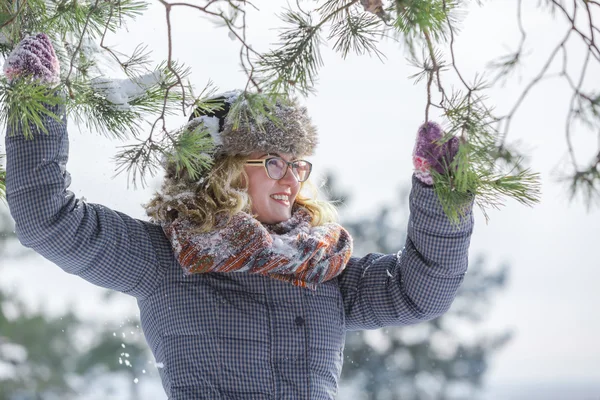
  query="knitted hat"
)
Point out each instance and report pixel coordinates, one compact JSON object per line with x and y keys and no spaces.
{"x":236,"y":129}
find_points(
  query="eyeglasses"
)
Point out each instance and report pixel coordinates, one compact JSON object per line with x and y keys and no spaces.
{"x":277,"y":167}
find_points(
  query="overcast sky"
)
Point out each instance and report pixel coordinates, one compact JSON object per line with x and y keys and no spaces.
{"x":367,"y":113}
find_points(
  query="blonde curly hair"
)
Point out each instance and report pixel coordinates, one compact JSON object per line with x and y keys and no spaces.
{"x":224,"y":192}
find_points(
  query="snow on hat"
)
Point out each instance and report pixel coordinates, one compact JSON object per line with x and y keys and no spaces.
{"x":235,"y":131}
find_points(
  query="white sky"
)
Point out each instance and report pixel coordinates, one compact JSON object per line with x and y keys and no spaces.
{"x":367,"y":113}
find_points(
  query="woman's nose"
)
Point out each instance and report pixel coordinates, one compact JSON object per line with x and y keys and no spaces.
{"x":289,"y":177}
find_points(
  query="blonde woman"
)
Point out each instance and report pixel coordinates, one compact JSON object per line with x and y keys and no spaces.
{"x":245,"y":285}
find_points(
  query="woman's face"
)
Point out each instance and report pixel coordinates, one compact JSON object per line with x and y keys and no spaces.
{"x":272,"y":200}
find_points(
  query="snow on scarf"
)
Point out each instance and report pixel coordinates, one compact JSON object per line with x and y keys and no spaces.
{"x":291,"y":251}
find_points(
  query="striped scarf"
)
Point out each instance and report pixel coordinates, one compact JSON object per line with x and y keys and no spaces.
{"x":291,"y":251}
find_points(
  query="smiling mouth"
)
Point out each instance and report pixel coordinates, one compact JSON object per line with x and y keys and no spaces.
{"x":285,"y":200}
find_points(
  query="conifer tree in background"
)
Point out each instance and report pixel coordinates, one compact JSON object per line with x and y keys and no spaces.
{"x":487,"y":164}
{"x":427,"y":28}
{"x":43,"y":356}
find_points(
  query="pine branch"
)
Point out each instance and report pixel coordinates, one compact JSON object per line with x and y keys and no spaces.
{"x":256,"y":109}
{"x":580,"y":24}
{"x":415,"y":17}
{"x":137,"y":60}
{"x":92,"y":17}
{"x":25,"y":105}
{"x":583,"y":183}
{"x":187,"y":148}
{"x":357,"y":33}
{"x":475,"y":170}
{"x":139,"y":161}
{"x":100,"y":106}
{"x":192,"y":151}
{"x":295,"y":64}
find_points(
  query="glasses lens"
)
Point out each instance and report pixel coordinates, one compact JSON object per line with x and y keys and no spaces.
{"x":276,"y":168}
{"x":301,"y":169}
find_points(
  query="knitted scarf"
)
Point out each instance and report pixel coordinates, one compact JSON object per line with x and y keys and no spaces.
{"x":291,"y":251}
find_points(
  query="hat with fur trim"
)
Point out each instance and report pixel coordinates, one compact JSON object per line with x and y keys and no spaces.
{"x":229,"y":124}
{"x":238,"y":129}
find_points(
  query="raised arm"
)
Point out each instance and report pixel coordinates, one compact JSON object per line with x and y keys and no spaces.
{"x":420,"y":282}
{"x":102,"y":246}
{"x":417,"y":284}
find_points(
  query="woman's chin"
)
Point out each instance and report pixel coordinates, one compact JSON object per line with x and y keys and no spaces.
{"x":274,"y":219}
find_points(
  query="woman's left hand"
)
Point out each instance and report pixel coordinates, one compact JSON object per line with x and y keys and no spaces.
{"x":430,"y":153}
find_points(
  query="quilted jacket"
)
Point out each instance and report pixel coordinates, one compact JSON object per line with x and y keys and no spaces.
{"x":235,"y":335}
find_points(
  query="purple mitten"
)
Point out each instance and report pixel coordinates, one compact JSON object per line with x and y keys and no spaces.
{"x":372,"y":6}
{"x":34,"y":56}
{"x":429,"y":153}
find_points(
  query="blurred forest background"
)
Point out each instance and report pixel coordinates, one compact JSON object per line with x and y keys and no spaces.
{"x":543,"y":61}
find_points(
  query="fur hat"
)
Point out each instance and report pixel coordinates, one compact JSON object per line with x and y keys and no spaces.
{"x":237,"y":129}
{"x":226,"y":125}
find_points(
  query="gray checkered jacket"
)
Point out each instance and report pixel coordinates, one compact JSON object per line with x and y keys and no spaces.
{"x":232,"y":335}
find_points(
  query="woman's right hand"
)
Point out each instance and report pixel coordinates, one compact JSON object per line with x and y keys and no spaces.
{"x":33,"y":57}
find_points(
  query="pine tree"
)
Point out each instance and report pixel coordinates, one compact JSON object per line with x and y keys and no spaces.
{"x":42,"y":356}
{"x":487,"y":165}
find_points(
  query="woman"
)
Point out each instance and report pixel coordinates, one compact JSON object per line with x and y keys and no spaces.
{"x":245,"y":286}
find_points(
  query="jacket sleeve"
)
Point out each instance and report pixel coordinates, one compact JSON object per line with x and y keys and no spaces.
{"x":417,"y":284}
{"x":100,"y":245}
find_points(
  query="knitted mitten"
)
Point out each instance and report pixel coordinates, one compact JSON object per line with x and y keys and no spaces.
{"x":372,"y":6}
{"x":429,"y":153}
{"x":34,"y":56}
